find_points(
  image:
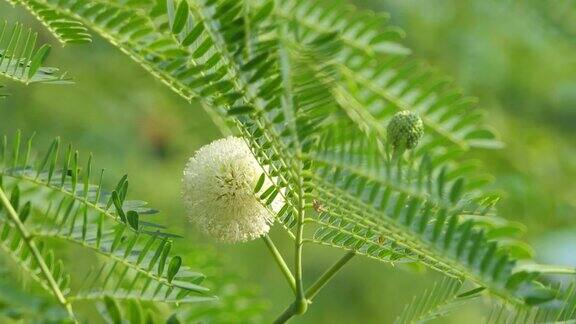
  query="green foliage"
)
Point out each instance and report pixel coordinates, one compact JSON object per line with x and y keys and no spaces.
{"x":55,"y":200}
{"x":444,"y":297}
{"x":238,"y":301}
{"x":225,"y":54}
{"x":19,"y":304}
{"x":66,"y":31}
{"x":549,"y":313}
{"x":311,"y":86}
{"x":21,"y":61}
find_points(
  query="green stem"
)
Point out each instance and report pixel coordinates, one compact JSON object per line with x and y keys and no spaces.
{"x":316,"y":287}
{"x":28,"y":239}
{"x":286,"y":315}
{"x":329,"y":274}
{"x":546,"y":269}
{"x":300,"y":304}
{"x":280,"y":261}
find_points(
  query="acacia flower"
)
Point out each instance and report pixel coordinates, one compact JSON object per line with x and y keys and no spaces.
{"x":218,"y":192}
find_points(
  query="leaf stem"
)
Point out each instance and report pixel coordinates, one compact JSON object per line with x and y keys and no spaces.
{"x":300,"y":304}
{"x":546,"y":269}
{"x":28,"y":239}
{"x":316,"y":287}
{"x":329,"y":274}
{"x":286,"y":315}
{"x":280,"y":261}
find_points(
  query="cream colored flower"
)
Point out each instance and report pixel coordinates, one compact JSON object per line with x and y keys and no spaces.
{"x":218,"y":192}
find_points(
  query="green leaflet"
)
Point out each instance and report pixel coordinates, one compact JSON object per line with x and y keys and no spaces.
{"x":113,"y":310}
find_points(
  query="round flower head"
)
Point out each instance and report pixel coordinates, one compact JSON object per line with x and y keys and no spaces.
{"x":405,"y":130}
{"x":218,"y":192}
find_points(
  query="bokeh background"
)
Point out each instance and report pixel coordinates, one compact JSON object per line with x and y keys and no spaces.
{"x":518,"y":57}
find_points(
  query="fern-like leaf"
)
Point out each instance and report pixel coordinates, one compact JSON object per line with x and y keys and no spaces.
{"x":64,"y":29}
{"x":437,"y":302}
{"x":18,"y":243}
{"x":198,"y":63}
{"x":21,"y":61}
{"x":562,"y":309}
{"x":381,"y":81}
{"x":63,"y":205}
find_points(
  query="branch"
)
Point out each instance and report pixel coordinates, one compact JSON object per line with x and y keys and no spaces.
{"x":329,"y":274}
{"x":316,"y":287}
{"x":28,"y":239}
{"x":280,"y":261}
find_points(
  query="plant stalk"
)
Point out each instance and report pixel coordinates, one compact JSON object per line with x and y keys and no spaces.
{"x":316,"y":287}
{"x":329,"y":274}
{"x":286,"y":315}
{"x":547,"y":269}
{"x":300,"y":304}
{"x":28,"y":239}
{"x":280,"y":261}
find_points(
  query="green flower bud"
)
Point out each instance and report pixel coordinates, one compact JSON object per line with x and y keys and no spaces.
{"x":405,"y":130}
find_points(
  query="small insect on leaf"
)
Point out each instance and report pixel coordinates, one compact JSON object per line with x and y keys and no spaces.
{"x":318,"y":206}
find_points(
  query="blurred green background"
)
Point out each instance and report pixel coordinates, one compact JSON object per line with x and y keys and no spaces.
{"x":518,"y":57}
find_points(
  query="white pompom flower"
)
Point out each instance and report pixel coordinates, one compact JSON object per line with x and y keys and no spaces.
{"x":218,"y":192}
